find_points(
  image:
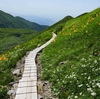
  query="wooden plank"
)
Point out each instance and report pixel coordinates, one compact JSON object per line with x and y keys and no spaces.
{"x":21,"y":90}
{"x":28,"y":79}
{"x":29,"y":96}
{"x":30,"y":64}
{"x":26,"y":96}
{"x":32,"y":71}
{"x":33,"y":74}
{"x":23,"y":84}
{"x":21,"y":96}
{"x":34,"y":96}
{"x":28,"y":59}
{"x":31,"y":90}
{"x":30,"y":74}
{"x":32,"y":83}
{"x":34,"y":77}
{"x":26,"y":75}
{"x":25,"y":90}
{"x":33,"y":68}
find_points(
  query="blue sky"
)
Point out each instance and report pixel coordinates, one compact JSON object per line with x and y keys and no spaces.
{"x":48,"y":9}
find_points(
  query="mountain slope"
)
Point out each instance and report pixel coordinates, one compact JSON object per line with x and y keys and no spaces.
{"x":10,"y":37}
{"x":59,"y":25}
{"x":9,"y":21}
{"x":72,"y":61}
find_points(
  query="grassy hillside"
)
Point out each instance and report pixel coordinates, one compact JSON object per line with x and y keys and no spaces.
{"x":57,"y":27}
{"x":11,"y":37}
{"x":72,"y":61}
{"x":9,"y":21}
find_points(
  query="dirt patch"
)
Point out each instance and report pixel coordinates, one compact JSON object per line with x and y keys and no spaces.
{"x":44,"y":87}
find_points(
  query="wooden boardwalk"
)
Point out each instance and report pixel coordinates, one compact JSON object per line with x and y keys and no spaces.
{"x":27,"y":88}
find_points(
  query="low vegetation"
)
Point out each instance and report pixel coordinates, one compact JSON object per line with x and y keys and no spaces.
{"x":10,"y":37}
{"x":72,"y":61}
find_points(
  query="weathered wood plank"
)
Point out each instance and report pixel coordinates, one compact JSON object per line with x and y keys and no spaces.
{"x":28,"y":79}
{"x":21,"y":96}
{"x":22,"y":90}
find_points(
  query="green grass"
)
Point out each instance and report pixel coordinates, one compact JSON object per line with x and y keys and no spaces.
{"x":78,"y":46}
{"x":10,"y":37}
{"x":57,"y":27}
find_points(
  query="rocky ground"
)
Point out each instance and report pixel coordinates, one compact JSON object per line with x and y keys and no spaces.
{"x":44,"y":87}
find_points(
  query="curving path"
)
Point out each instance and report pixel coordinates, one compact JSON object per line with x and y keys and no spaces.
{"x":27,"y":88}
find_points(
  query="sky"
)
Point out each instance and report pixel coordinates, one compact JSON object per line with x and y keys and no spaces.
{"x":47,"y":10}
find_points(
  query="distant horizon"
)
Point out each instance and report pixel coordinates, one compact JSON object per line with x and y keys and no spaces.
{"x":47,"y":12}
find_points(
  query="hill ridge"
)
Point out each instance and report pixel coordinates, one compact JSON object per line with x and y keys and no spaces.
{"x":9,"y":21}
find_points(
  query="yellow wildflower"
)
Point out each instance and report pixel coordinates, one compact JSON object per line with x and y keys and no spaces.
{"x":84,"y":26}
{"x":96,"y":15}
{"x":92,"y":19}
{"x":70,"y":34}
{"x":5,"y":59}
{"x":86,"y":31}
{"x":0,"y":59}
{"x":75,"y":30}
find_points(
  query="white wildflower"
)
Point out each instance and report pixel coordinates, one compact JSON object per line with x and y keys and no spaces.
{"x":90,"y":56}
{"x":76,"y":96}
{"x":84,"y":65}
{"x":98,"y":84}
{"x":80,"y":85}
{"x":89,"y":77}
{"x":93,"y":94}
{"x":89,"y":89}
{"x":81,"y":93}
{"x":95,"y":61}
{"x":82,"y":59}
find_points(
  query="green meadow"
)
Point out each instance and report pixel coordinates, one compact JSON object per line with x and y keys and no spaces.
{"x":72,"y":61}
